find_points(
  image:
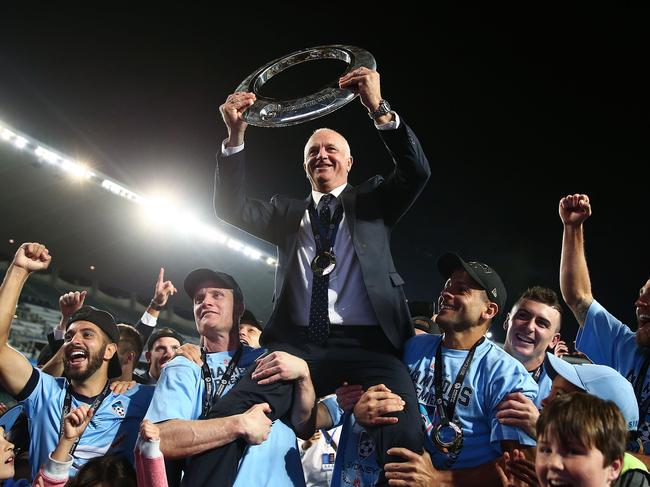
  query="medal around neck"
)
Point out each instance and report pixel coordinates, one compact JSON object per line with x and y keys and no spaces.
{"x":447,"y":437}
{"x":270,"y":112}
{"x":324,"y":263}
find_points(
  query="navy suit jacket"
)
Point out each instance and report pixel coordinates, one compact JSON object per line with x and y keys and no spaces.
{"x":371,"y":211}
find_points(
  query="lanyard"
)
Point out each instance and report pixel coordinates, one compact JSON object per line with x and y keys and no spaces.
{"x":206,"y":375}
{"x":447,"y":413}
{"x":67,"y":403}
{"x":537,"y":373}
{"x":325,"y":236}
{"x":638,"y":390}
{"x":329,"y":439}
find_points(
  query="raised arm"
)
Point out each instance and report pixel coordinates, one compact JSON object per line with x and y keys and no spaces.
{"x":232,"y":112}
{"x":184,"y":438}
{"x":15,"y":369}
{"x":68,"y":304}
{"x":161,"y":294}
{"x":574,"y":274}
{"x":412,"y":169}
{"x":231,"y":203}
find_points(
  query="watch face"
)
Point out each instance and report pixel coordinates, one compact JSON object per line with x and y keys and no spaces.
{"x":382,"y":109}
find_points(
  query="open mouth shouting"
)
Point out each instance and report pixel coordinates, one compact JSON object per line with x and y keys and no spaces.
{"x":76,"y":356}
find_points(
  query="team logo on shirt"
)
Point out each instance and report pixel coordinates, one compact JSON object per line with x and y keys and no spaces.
{"x":366,"y":445}
{"x":118,"y":408}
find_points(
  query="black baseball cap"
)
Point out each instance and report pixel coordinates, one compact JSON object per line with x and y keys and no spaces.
{"x":159,"y":333}
{"x":248,"y":318}
{"x":221,"y":279}
{"x":105,"y":321}
{"x":483,"y":274}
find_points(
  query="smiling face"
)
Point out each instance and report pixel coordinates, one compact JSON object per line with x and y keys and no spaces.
{"x":572,"y":464}
{"x":327,"y":160}
{"x":6,"y":456}
{"x":213,"y":309}
{"x":531,"y":327}
{"x":642,"y":305}
{"x":463,"y":304}
{"x":85,"y":349}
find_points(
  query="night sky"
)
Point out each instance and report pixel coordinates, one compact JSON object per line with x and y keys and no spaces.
{"x":514,"y":109}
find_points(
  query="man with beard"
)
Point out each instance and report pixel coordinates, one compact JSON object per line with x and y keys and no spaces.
{"x":460,"y":378}
{"x":602,"y":337}
{"x":90,"y":361}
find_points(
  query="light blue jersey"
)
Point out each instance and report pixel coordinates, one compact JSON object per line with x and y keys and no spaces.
{"x":492,"y":374}
{"x":179,"y":395}
{"x":355,"y":464}
{"x":607,"y":341}
{"x":112,"y":431}
{"x":543,"y":388}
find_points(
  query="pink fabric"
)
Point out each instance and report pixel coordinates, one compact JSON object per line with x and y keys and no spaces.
{"x":47,"y":481}
{"x":150,"y":471}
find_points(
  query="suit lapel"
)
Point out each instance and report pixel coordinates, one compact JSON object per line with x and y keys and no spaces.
{"x":295,"y":213}
{"x":347,"y":199}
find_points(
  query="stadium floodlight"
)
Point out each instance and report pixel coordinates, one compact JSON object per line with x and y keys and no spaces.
{"x":235,"y":244}
{"x":162,"y":209}
{"x":7,"y":134}
{"x":47,"y":155}
{"x":213,"y":235}
{"x":20,"y":142}
{"x":252,"y":253}
{"x":77,"y":170}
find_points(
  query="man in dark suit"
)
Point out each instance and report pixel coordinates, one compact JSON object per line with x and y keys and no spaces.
{"x":339,"y":302}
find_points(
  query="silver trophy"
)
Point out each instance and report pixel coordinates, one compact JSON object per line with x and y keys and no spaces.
{"x":269,"y":112}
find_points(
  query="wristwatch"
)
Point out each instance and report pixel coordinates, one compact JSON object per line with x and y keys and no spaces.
{"x":156,"y":306}
{"x":382,"y":109}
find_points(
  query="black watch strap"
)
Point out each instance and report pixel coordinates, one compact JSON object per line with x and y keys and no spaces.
{"x":156,"y":306}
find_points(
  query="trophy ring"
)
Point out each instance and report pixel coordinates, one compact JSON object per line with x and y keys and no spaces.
{"x":270,"y":112}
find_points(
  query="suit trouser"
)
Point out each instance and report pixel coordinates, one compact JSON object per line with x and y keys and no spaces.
{"x":353,"y":354}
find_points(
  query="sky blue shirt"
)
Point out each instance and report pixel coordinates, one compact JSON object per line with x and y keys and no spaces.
{"x":179,"y":395}
{"x":112,"y":431}
{"x":355,"y":464}
{"x":492,"y":374}
{"x":607,"y":341}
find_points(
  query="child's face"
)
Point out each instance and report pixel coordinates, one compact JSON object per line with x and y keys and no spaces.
{"x":6,"y":457}
{"x":559,"y":464}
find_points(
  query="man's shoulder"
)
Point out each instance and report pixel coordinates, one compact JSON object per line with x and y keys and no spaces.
{"x":251,"y":354}
{"x":45,"y":383}
{"x":597,"y":312}
{"x":493,"y":355}
{"x":420,"y":346}
{"x":139,"y":391}
{"x":178,"y":363}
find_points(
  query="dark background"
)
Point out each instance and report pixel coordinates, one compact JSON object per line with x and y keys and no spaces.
{"x":514,"y":108}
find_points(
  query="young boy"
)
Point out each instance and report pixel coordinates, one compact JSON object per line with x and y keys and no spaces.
{"x":581,"y":441}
